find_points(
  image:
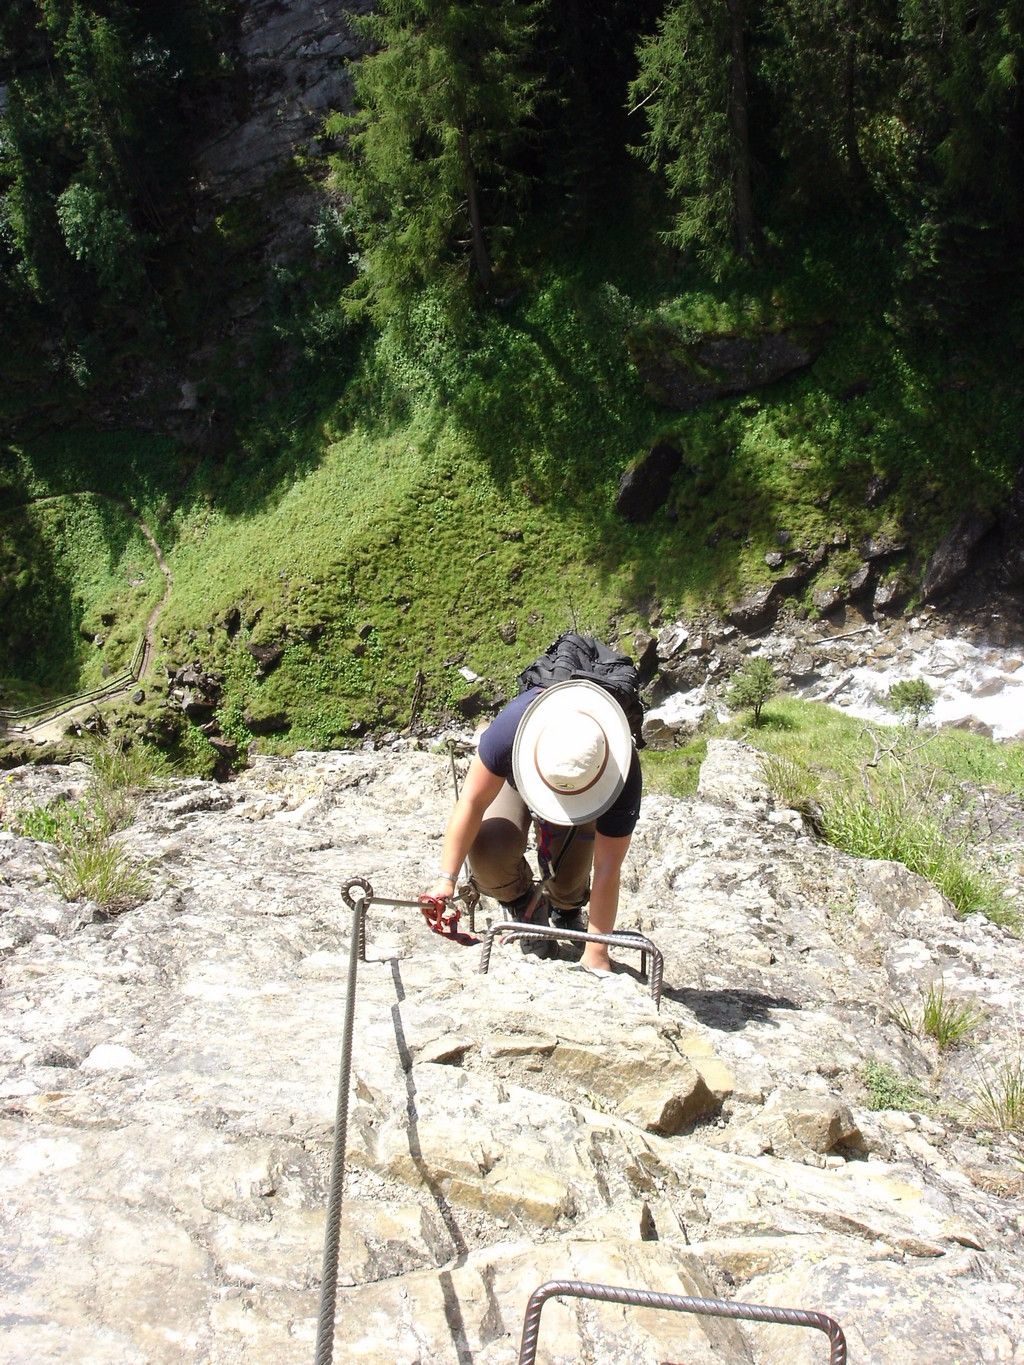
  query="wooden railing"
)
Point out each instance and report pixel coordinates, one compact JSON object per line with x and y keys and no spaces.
{"x":20,"y":719}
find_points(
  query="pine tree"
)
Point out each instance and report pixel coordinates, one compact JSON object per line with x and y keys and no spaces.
{"x":828,"y":65}
{"x":444,"y":106}
{"x":692,"y":86}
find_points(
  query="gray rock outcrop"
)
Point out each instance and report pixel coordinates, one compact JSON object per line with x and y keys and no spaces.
{"x":684,"y":371}
{"x":168,"y":1086}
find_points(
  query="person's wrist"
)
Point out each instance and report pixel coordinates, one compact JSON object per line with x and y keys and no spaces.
{"x":452,"y":877}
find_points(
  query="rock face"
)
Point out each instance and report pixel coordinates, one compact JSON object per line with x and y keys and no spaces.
{"x":294,"y":57}
{"x":953,"y":555}
{"x":168,"y":1088}
{"x":683,"y":372}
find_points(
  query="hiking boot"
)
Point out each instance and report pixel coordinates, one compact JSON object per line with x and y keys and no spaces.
{"x":570,"y":919}
{"x":533,"y":909}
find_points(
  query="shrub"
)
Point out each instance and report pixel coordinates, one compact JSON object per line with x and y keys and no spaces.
{"x":912,"y":698}
{"x":751,"y":686}
{"x":888,"y":1089}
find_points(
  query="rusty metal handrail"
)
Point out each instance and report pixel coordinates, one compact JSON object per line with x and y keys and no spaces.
{"x":623,"y":938}
{"x":676,"y":1303}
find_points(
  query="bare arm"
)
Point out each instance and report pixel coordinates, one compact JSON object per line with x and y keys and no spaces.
{"x":609,"y":854}
{"x":478,"y":791}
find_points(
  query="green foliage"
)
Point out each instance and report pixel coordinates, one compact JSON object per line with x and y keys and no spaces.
{"x":444,"y":101}
{"x":751,"y":686}
{"x":683,"y":89}
{"x":93,"y":162}
{"x":888,"y":1089}
{"x":194,"y":754}
{"x":911,"y":697}
{"x":61,"y":822}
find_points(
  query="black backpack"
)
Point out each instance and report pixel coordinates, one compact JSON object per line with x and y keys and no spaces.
{"x":581,"y":656}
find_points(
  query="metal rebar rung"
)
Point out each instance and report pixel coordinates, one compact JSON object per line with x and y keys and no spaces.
{"x":646,"y":1298}
{"x":623,"y":939}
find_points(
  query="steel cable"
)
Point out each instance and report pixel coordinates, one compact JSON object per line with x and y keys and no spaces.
{"x":332,"y":1235}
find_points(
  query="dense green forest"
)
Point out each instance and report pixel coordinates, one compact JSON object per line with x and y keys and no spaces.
{"x":406,"y":430}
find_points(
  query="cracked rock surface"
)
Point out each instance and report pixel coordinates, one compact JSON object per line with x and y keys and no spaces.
{"x":167,"y":1093}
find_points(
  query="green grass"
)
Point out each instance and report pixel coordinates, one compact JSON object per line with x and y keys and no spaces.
{"x":99,"y":871}
{"x":79,"y":581}
{"x":949,"y":1022}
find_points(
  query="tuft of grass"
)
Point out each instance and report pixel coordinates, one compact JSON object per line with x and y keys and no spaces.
{"x":998,"y":1099}
{"x":888,"y":1089}
{"x":121,"y":767}
{"x":947,"y":1021}
{"x":792,"y":784}
{"x":98,"y":870}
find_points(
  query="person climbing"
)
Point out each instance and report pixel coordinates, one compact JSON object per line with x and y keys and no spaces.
{"x":562,"y":757}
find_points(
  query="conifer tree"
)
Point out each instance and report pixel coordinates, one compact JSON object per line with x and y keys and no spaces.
{"x":692,"y":87}
{"x":444,"y":105}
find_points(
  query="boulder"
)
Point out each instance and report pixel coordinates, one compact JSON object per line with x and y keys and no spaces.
{"x":830,"y":599}
{"x":755,"y":611}
{"x":645,"y":485}
{"x":683,"y":371}
{"x":267,"y":655}
{"x":860,"y":582}
{"x":883,"y":545}
{"x":953,"y":554}
{"x":266,"y":723}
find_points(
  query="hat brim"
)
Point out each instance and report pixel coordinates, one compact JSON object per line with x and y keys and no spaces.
{"x":572,"y":697}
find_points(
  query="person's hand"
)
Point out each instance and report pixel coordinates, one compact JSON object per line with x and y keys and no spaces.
{"x":443,"y":888}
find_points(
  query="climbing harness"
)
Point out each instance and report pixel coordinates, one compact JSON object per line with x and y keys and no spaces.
{"x":623,"y":938}
{"x":646,"y":1298}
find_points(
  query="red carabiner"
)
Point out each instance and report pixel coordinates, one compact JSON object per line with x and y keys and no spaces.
{"x":433,"y":910}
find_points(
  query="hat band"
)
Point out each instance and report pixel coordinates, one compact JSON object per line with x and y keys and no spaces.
{"x":578,"y":791}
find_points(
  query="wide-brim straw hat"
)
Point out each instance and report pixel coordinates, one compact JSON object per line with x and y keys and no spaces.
{"x":572,"y":752}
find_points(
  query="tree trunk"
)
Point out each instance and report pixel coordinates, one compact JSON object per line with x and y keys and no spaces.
{"x":851,"y":148}
{"x":742,"y":196}
{"x":481,"y":257}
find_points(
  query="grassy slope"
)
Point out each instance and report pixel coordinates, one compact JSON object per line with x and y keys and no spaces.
{"x":98,"y":582}
{"x":446,"y":489}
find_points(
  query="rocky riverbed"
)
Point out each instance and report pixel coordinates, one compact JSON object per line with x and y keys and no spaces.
{"x":168,"y":1081}
{"x":974,"y":666}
